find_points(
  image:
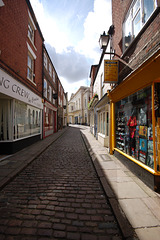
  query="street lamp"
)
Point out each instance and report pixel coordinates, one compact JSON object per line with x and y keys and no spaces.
{"x":104,"y":40}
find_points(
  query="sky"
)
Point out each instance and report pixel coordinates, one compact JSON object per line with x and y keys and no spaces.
{"x":71,"y":29}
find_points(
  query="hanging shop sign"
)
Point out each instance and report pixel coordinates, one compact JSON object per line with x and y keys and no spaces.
{"x":10,"y":87}
{"x":110,"y":71}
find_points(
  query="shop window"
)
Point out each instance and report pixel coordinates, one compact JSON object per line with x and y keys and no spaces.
{"x":137,"y":16}
{"x":102,"y":123}
{"x":134,"y":126}
{"x":107,"y":124}
{"x":26,"y":120}
{"x":49,"y":119}
{"x":5,"y":120}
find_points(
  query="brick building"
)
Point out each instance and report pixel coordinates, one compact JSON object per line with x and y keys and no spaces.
{"x":61,"y":98}
{"x":49,"y":95}
{"x":20,"y":76}
{"x":135,"y":99}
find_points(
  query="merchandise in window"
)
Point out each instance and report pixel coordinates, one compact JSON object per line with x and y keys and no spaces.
{"x":134,"y":134}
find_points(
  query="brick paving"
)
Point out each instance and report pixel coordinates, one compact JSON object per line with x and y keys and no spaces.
{"x":58,"y":196}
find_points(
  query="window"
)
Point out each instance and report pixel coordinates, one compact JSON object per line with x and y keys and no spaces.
{"x":31,"y":28}
{"x":85,"y":103}
{"x":50,"y":70}
{"x":54,"y":102}
{"x":54,"y":77}
{"x":30,"y":32}
{"x":50,"y":92}
{"x":30,"y":64}
{"x":45,"y":60}
{"x":137,"y":16}
{"x":45,"y":89}
{"x":134,"y":131}
{"x":30,"y":68}
{"x":26,"y":120}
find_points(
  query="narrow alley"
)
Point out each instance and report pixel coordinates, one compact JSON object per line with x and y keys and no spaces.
{"x":58,"y":196}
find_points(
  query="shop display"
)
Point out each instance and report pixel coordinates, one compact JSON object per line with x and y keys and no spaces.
{"x":134,"y":134}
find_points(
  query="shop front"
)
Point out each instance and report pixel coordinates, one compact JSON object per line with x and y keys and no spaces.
{"x":50,"y":119}
{"x":102,"y":110}
{"x":135,"y":121}
{"x":20,"y":115}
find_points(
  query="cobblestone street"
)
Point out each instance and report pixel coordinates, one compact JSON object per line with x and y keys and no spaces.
{"x":58,"y":196}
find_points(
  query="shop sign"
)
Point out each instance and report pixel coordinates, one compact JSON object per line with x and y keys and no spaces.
{"x":10,"y":87}
{"x":110,"y":71}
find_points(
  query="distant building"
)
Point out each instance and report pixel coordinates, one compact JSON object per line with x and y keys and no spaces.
{"x":78,"y":106}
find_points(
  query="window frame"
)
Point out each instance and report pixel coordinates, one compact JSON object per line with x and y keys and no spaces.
{"x":45,"y":88}
{"x":132,"y":15}
{"x":31,"y":29}
{"x":50,"y":69}
{"x":45,"y":61}
{"x":30,"y":69}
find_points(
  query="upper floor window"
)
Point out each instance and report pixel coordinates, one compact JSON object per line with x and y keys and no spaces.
{"x":45,"y":60}
{"x":85,"y":103}
{"x":50,"y":93}
{"x":137,"y":16}
{"x":54,"y":102}
{"x":45,"y":88}
{"x":30,"y":32}
{"x":50,"y":70}
{"x":30,"y":67}
{"x":31,"y":28}
{"x":54,"y":77}
{"x":30,"y":64}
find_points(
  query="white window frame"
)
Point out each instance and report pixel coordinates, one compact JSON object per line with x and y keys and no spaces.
{"x":45,"y":60}
{"x":54,"y":76}
{"x":50,"y":93}
{"x":45,"y":88}
{"x":132,"y":14}
{"x":50,"y":69}
{"x":31,"y":28}
{"x":32,"y":56}
{"x":54,"y":101}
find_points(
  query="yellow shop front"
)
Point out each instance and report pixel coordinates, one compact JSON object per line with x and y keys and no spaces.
{"x":135,"y":121}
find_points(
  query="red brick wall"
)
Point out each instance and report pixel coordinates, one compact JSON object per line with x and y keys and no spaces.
{"x":13,"y":43}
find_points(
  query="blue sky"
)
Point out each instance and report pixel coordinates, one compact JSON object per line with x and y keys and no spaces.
{"x":71,"y":29}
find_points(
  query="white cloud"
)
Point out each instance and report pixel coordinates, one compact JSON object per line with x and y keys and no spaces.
{"x":95,"y":24}
{"x":53,"y":33}
{"x":73,"y":62}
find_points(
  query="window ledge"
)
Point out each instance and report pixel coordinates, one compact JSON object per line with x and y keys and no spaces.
{"x":32,"y":81}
